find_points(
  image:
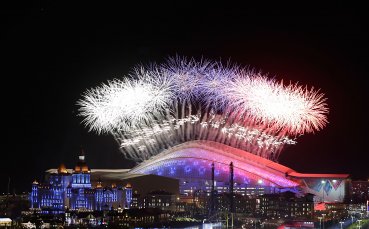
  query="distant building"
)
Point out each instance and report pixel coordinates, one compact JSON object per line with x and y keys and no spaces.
{"x":73,"y":190}
{"x":82,"y":189}
{"x":242,"y":203}
{"x":160,"y":199}
{"x":136,"y":201}
{"x":155,"y":199}
{"x":359,"y":191}
{"x":287,"y":205}
{"x":332,"y":211}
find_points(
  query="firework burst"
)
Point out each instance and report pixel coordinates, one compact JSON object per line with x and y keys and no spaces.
{"x":290,"y":108}
{"x":121,"y":105}
{"x":160,"y":106}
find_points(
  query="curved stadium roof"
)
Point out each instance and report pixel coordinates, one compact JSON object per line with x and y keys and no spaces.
{"x":194,"y":159}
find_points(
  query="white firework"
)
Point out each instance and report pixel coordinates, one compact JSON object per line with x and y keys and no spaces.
{"x":123,"y":104}
{"x":291,"y":108}
{"x":160,"y":106}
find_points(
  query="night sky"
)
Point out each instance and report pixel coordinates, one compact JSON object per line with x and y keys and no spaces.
{"x":53,"y":51}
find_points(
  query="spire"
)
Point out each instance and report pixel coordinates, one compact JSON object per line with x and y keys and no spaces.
{"x":81,"y":164}
{"x":81,"y":156}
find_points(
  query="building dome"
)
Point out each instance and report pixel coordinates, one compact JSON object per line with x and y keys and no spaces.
{"x":62,"y":169}
{"x":99,"y":184}
{"x":81,"y":168}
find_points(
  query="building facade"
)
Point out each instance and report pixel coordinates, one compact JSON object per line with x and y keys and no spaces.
{"x":74,"y":191}
{"x":287,"y":205}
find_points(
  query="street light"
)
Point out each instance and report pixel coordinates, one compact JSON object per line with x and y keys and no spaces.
{"x":323,"y":220}
{"x":341,"y":223}
{"x":359,"y":220}
{"x":320,"y":222}
{"x":334,"y":215}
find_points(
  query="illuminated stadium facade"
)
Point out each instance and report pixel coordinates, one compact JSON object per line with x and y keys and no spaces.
{"x":191,"y":163}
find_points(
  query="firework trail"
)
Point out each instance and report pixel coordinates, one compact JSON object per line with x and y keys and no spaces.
{"x":160,"y":106}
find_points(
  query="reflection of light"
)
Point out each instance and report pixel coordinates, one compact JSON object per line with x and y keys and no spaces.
{"x":260,"y":181}
{"x":323,"y":181}
{"x":334,"y":181}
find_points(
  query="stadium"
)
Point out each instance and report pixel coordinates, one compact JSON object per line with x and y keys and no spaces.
{"x":191,"y":163}
{"x":205,"y":123}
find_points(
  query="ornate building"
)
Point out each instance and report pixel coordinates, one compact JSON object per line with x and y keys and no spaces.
{"x":74,"y":191}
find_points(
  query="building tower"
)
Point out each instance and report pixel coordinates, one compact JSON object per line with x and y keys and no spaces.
{"x":231,"y":184}
{"x":81,"y":173}
{"x":99,"y":195}
{"x":128,"y":189}
{"x":62,"y":178}
{"x":35,"y":203}
{"x":82,"y":196}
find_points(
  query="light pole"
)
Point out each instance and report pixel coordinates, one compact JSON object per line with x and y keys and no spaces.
{"x":352,"y":219}
{"x":323,"y":220}
{"x":359,"y":220}
{"x":320,"y":222}
{"x":334,"y":215}
{"x":341,"y":224}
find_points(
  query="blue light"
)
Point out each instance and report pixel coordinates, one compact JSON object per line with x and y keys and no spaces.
{"x":201,"y":170}
{"x":188,"y":169}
